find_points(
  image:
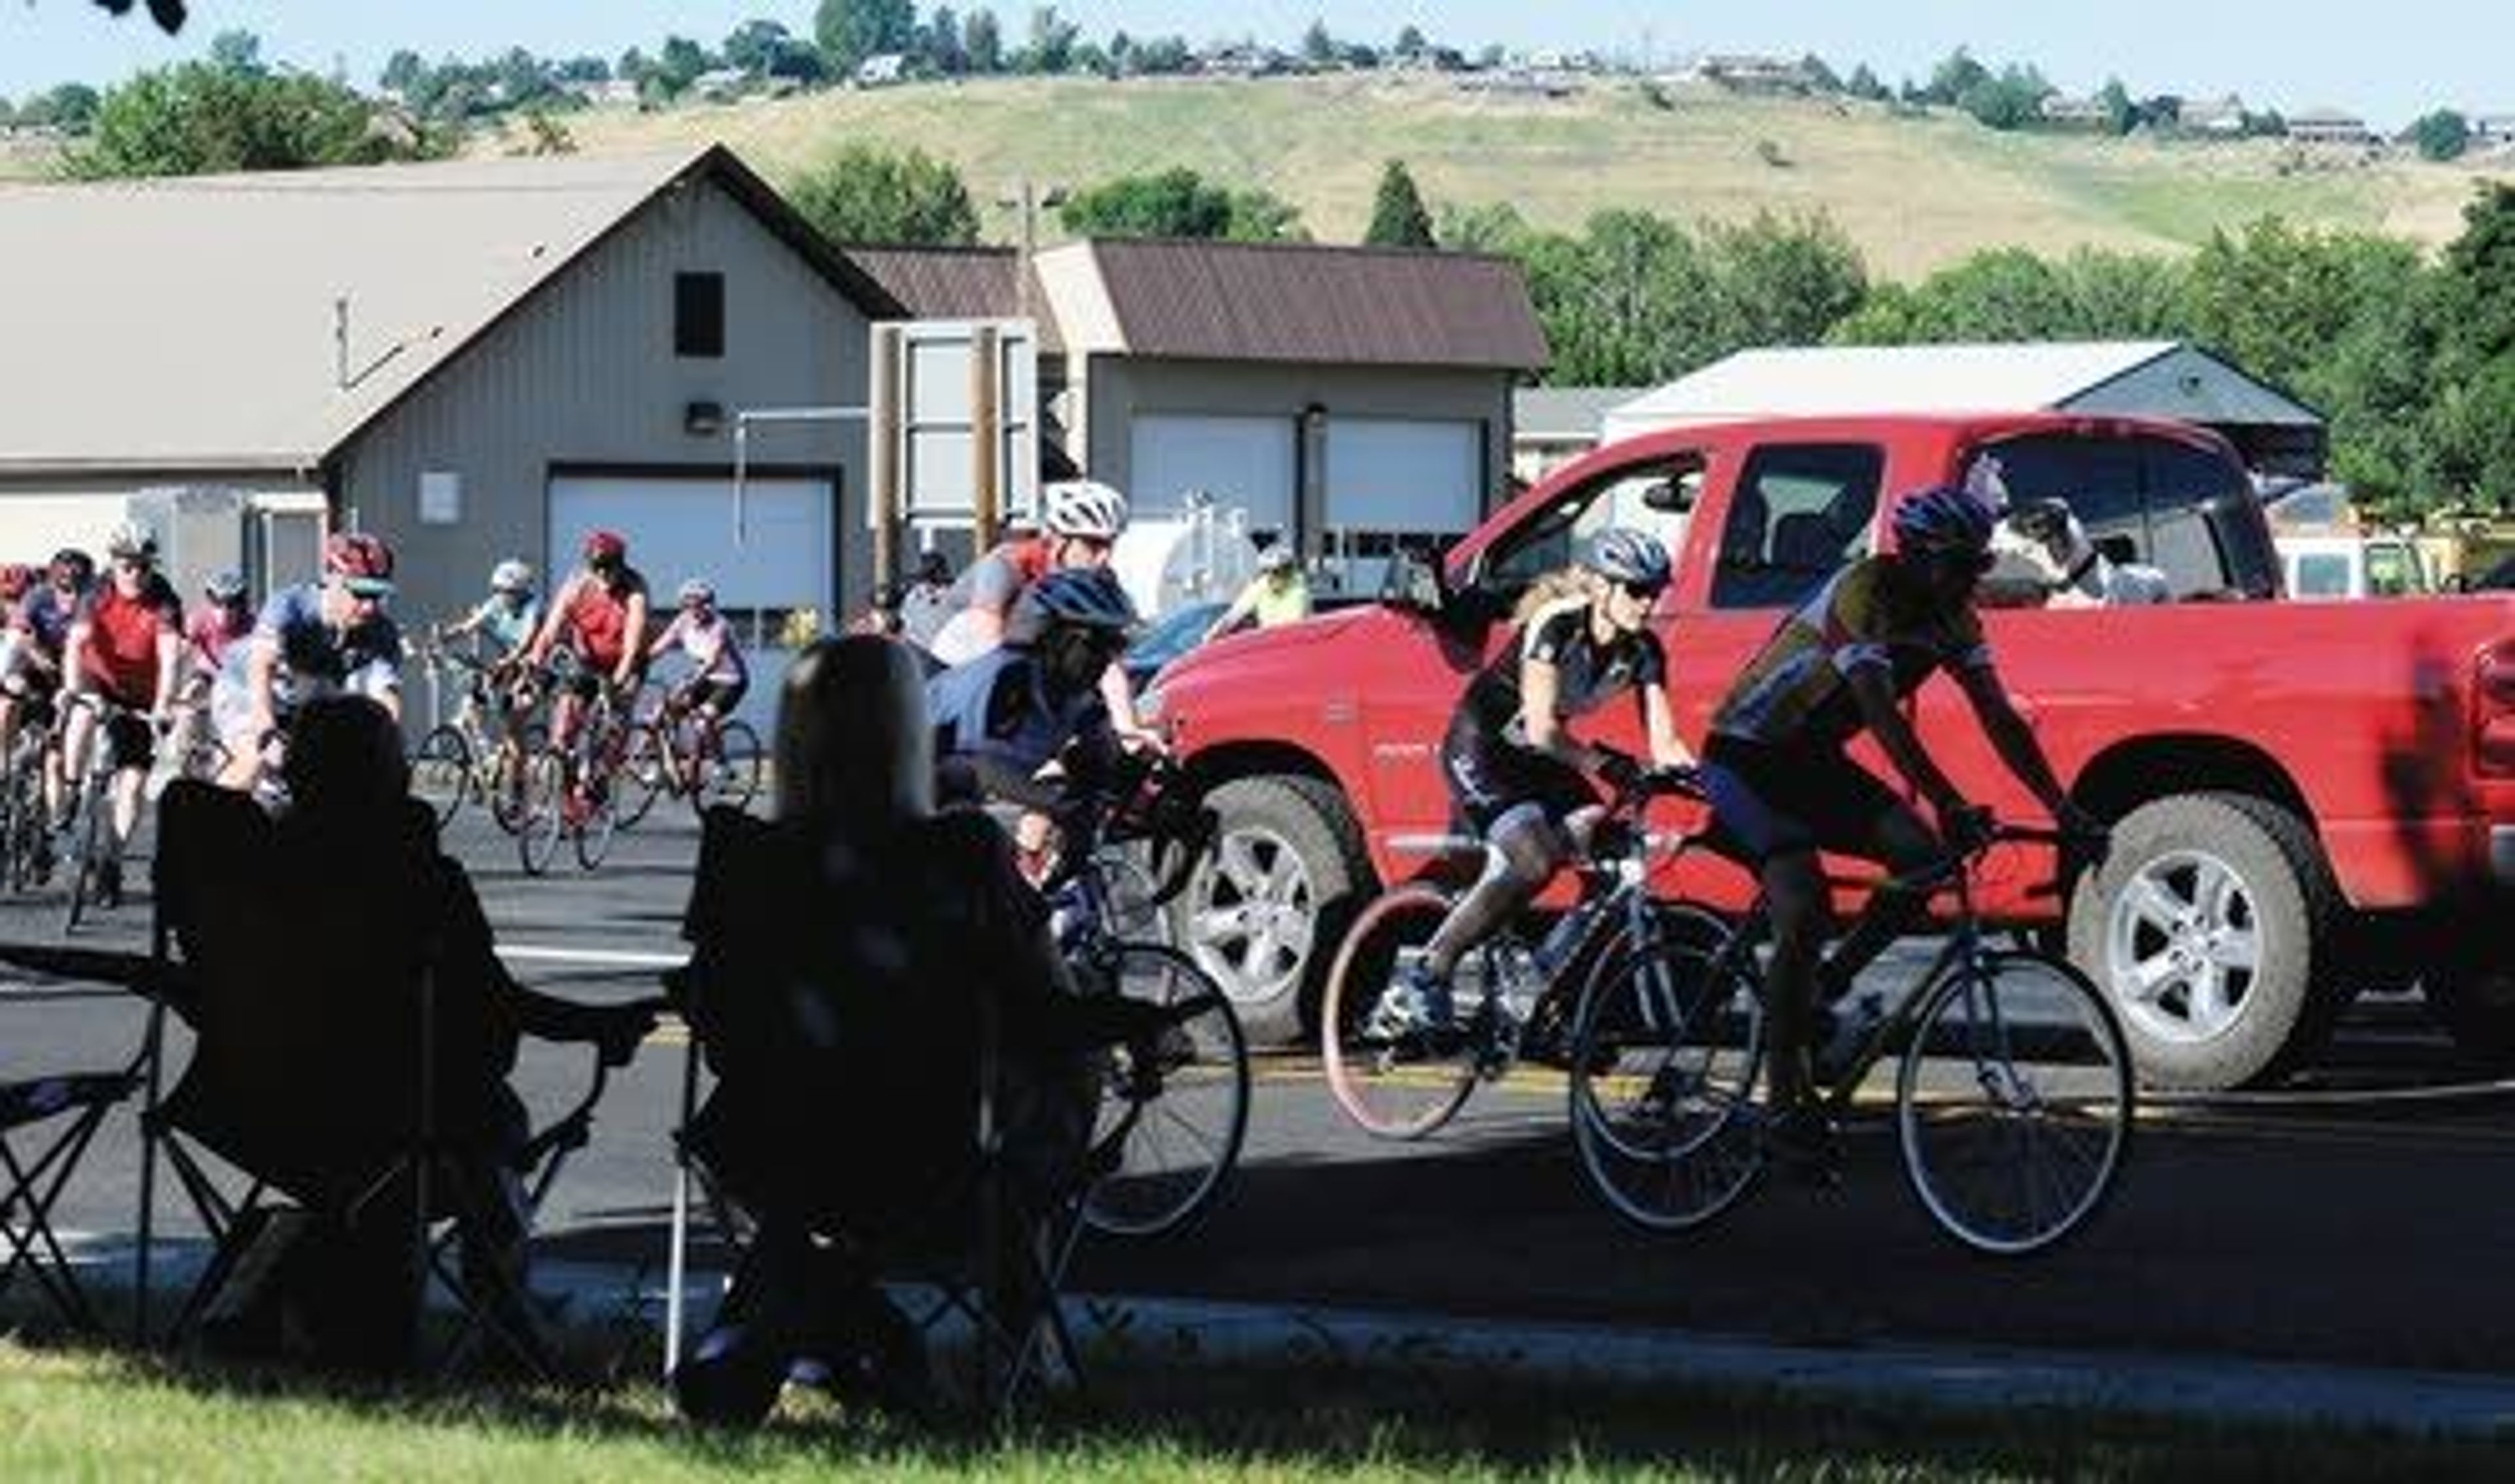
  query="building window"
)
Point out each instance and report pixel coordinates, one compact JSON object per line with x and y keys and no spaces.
{"x":698,"y":314}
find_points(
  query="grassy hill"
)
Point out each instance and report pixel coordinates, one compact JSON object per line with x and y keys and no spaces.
{"x":1915,"y":194}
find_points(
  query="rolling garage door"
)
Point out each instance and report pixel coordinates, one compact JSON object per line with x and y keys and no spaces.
{"x":1397,"y":480}
{"x":786,"y":559}
{"x":1244,"y":462}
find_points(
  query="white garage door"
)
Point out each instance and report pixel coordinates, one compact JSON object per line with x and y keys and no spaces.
{"x":1242,"y":462}
{"x":785,"y":559}
{"x":1393,"y":480}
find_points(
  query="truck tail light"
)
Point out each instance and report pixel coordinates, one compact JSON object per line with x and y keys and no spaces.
{"x":2493,"y":707}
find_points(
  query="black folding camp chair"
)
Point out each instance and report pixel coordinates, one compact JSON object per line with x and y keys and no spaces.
{"x":55,"y":1119}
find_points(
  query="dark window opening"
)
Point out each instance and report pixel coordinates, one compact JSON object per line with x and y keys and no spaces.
{"x":698,"y":314}
{"x":1800,"y":512}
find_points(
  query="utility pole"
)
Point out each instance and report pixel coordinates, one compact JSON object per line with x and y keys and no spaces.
{"x":1030,"y":199}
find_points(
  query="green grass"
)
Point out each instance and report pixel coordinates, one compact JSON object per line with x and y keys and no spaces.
{"x":1915,"y":194}
{"x":84,"y":1416}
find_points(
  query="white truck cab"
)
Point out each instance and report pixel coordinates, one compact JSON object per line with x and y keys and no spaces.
{"x":2348,"y":565}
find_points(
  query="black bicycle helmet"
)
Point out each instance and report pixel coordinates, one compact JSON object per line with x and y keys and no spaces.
{"x":1076,"y":597}
{"x":1944,"y":518}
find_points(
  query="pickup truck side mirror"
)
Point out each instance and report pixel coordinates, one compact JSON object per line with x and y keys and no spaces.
{"x":1413,"y":582}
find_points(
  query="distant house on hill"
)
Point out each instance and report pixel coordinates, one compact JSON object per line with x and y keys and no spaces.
{"x":881,"y":70}
{"x":1241,"y":59}
{"x":2329,"y":126}
{"x":2489,"y":131}
{"x":2213,"y":117}
{"x":1742,"y":73}
{"x":2062,"y":112}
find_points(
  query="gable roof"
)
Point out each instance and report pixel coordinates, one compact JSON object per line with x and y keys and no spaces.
{"x":191,"y":323}
{"x":2064,"y":375}
{"x":1294,"y":302}
{"x":958,"y":283}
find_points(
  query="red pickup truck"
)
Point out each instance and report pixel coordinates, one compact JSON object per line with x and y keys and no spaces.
{"x":2307,"y":799}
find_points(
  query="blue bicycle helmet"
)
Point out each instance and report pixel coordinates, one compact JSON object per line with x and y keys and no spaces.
{"x":1944,"y":518}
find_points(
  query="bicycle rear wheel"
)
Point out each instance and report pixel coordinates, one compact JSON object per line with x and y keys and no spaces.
{"x":541,"y":817}
{"x":1172,"y":1110}
{"x":440,"y":771}
{"x":1666,"y":1049}
{"x":1408,"y":1086}
{"x":2013,"y":1106}
{"x":642,"y":775}
{"x":595,"y":822}
{"x":509,"y":761}
{"x":732,"y":775}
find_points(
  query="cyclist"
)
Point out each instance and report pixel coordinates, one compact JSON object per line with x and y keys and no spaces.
{"x":1278,"y":594}
{"x":1782,"y":786}
{"x":1000,"y":719}
{"x":126,"y":644}
{"x":505,"y":620}
{"x":602,"y":612}
{"x":718,"y":675}
{"x":1513,"y":767}
{"x":309,"y":640}
{"x":38,"y":627}
{"x":16,"y":580}
{"x":218,"y":620}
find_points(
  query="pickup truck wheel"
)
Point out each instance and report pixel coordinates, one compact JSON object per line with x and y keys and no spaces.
{"x":2211,"y":923}
{"x":1261,"y":913}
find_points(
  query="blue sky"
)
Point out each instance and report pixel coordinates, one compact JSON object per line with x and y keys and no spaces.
{"x":2390,"y":65}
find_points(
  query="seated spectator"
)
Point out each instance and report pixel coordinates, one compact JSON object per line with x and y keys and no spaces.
{"x":850,"y":1056}
{"x":311,"y":938}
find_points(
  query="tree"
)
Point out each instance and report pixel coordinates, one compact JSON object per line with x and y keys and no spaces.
{"x":236,"y":52}
{"x":2121,"y":115}
{"x":198,"y":118}
{"x":69,"y":108}
{"x":1410,"y":42}
{"x":1163,"y":56}
{"x":940,"y":45}
{"x":859,"y":193}
{"x":1494,"y":227}
{"x":678,"y":66}
{"x":1956,"y":72}
{"x":982,"y":40}
{"x":1780,"y":281}
{"x":1178,"y":203}
{"x":1318,"y":48}
{"x":402,"y":72}
{"x":1398,"y":215}
{"x":522,"y":78}
{"x":2442,"y":134}
{"x":753,"y":45}
{"x":1864,"y":85}
{"x":852,"y":30}
{"x":1820,"y":77}
{"x":2011,"y":100}
{"x":1053,"y":40}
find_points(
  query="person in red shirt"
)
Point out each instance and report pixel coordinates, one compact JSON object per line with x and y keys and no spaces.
{"x":600,"y":611}
{"x":126,"y":646}
{"x":221,"y":618}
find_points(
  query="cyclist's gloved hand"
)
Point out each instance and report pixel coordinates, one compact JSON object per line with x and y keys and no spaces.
{"x":1964,"y":826}
{"x":1619,"y":772}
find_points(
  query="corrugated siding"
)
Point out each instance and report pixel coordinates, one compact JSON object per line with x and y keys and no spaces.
{"x":585,"y":375}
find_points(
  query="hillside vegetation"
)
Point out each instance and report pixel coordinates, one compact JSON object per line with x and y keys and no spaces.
{"x":1913,"y":193}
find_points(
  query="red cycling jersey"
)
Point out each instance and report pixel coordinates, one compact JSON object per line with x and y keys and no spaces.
{"x":120,"y":657}
{"x":598,"y":616}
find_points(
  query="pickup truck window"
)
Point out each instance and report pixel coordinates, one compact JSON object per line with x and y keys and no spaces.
{"x":1799,"y":511}
{"x":1652,"y":497}
{"x":2156,"y":501}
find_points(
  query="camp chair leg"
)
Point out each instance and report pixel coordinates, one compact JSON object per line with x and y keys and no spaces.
{"x":35,"y":1249}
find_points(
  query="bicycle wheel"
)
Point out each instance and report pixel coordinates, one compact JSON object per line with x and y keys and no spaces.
{"x":642,"y":775}
{"x":440,"y":771}
{"x":1173,"y":1111}
{"x":84,"y":865}
{"x":732,"y":775}
{"x":505,"y":784}
{"x":1129,"y":883}
{"x":2013,"y":1105}
{"x":595,"y":823}
{"x":1410,"y":1085}
{"x":1666,"y":1047}
{"x":542,"y":815}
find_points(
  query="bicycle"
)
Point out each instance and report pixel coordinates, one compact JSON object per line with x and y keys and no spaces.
{"x":92,"y":803}
{"x":2003,"y":1055}
{"x":568,"y":791}
{"x":709,"y":759}
{"x":463,"y":759}
{"x":1509,"y":1000}
{"x":1174,"y":1108}
{"x":27,"y":846}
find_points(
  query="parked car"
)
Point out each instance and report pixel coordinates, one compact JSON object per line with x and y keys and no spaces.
{"x":2345,"y":565}
{"x":2307,"y":798}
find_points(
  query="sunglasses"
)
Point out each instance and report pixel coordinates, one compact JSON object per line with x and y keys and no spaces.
{"x":1643,"y":592}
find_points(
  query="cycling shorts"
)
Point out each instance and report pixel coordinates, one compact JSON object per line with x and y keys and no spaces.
{"x":719,"y":696}
{"x":1778,"y":800}
{"x":129,"y":740}
{"x":1489,"y":777}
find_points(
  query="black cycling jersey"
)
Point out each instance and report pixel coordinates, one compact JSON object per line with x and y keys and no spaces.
{"x":1589,"y":674}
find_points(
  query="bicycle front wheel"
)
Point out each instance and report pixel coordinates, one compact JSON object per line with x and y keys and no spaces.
{"x":440,"y":771}
{"x":642,"y":775}
{"x":1402,"y":1087}
{"x":594,"y":823}
{"x":1666,"y":1049}
{"x":2013,"y":1106}
{"x":1174,"y":1109}
{"x":540,"y":816}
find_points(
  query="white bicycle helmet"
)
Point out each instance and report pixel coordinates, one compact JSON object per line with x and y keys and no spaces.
{"x":226,"y":586}
{"x":1083,"y":507}
{"x":697,"y":590}
{"x":132,"y":538}
{"x":510,"y":576}
{"x":1279,"y":558}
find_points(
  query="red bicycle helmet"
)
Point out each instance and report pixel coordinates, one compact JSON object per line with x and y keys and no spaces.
{"x":15,"y":579}
{"x":604,"y":546}
{"x":359,"y":558}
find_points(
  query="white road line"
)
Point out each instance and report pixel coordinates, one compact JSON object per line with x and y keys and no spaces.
{"x":611,"y":958}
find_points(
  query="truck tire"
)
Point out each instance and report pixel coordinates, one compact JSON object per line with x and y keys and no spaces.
{"x":2212,"y":923}
{"x":1262,"y":911}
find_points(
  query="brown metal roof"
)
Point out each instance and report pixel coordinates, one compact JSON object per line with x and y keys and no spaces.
{"x":956,"y":283}
{"x":1284,"y":302}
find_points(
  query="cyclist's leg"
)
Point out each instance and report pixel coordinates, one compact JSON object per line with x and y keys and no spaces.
{"x":78,"y":730}
{"x":1522,"y":850}
{"x":1896,"y":838}
{"x":130,"y":738}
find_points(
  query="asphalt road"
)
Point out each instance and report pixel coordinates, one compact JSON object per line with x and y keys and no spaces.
{"x":2342,"y":1226}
